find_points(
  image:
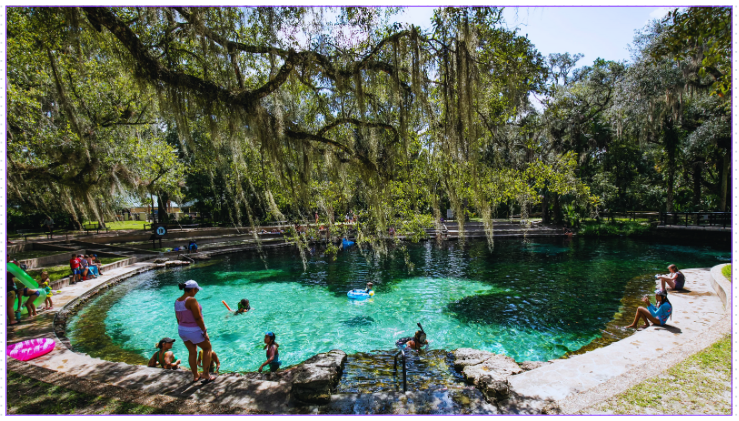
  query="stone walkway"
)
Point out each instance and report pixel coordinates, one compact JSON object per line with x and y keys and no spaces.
{"x":698,"y":320}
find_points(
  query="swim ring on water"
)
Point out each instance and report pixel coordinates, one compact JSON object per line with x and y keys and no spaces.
{"x":30,"y":349}
{"x":346,"y":243}
{"x":359,"y":294}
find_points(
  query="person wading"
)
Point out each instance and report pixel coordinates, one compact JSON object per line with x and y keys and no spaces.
{"x":192,"y":330}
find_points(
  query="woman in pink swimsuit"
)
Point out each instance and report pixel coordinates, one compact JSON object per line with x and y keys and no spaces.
{"x":192,"y":330}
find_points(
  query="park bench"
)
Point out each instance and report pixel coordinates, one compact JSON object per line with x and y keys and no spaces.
{"x":24,"y":233}
{"x":94,"y":227}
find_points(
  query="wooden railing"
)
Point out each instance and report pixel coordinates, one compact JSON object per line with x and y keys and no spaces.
{"x":722,"y":219}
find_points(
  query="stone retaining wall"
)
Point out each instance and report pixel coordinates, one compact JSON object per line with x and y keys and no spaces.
{"x":721,"y":285}
{"x":64,"y":282}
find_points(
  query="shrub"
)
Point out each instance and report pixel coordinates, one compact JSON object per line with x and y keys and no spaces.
{"x":612,"y":229}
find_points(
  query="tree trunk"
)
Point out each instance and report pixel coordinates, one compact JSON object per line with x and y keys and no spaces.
{"x":557,"y":210}
{"x":671,"y":140}
{"x":697,"y":180}
{"x":725,"y":181}
{"x":545,"y":208}
{"x":162,"y":215}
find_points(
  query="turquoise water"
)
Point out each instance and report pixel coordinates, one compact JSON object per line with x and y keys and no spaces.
{"x":530,"y":300}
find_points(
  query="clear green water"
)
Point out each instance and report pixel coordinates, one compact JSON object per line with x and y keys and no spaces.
{"x":531,"y":301}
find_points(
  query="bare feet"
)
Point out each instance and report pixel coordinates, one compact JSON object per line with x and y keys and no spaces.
{"x":631,"y":326}
{"x":646,"y":325}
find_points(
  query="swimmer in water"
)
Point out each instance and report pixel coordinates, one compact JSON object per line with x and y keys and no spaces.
{"x":243,"y":306}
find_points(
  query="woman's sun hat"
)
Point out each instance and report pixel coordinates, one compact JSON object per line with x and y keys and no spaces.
{"x":192,"y":284}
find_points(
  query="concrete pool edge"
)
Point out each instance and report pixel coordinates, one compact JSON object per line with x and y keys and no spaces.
{"x":578,"y":384}
{"x":571,"y":404}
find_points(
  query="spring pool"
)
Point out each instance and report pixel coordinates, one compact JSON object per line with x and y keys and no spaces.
{"x":532,"y":300}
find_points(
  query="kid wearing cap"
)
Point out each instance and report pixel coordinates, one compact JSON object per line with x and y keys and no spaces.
{"x":164,"y":357}
{"x":273,"y":355}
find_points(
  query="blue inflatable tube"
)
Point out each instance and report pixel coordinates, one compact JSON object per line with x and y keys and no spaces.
{"x":358,"y":294}
{"x":346,"y":243}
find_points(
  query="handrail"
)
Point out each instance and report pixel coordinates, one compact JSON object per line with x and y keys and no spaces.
{"x":695,"y":218}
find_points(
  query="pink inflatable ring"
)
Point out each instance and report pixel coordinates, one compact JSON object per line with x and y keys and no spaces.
{"x":30,"y":349}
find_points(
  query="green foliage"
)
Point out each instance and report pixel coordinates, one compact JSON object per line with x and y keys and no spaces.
{"x":267,"y":114}
{"x":726,"y":271}
{"x":613,"y":229}
{"x":702,"y":35}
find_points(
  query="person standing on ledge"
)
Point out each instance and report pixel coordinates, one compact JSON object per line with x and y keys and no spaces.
{"x":676,"y":279}
{"x":273,"y":355}
{"x":657,"y":315}
{"x":192,"y":330}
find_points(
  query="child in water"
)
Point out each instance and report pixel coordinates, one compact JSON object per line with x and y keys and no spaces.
{"x":243,"y":306}
{"x":215,"y":363}
{"x":273,"y":355}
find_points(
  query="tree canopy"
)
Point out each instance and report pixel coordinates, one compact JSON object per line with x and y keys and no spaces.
{"x":272,"y":113}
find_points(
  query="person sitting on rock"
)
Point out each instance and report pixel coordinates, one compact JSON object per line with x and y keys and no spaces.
{"x":193,"y":247}
{"x":164,"y":357}
{"x":657,"y":315}
{"x":676,"y":279}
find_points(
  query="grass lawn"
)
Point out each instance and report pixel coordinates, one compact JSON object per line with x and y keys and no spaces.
{"x":34,"y":254}
{"x":726,"y":271}
{"x":123,"y":225}
{"x":29,"y":396}
{"x":62,"y":271}
{"x":699,"y":385}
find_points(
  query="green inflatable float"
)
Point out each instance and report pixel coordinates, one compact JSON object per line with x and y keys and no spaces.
{"x":28,"y":282}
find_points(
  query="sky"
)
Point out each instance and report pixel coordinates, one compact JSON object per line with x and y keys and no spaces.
{"x":603,"y":32}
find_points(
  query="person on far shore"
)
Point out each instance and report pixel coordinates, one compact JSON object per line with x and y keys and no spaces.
{"x":215,"y":363}
{"x":676,"y":279}
{"x":192,"y":330}
{"x":84,"y":267}
{"x":164,"y":357}
{"x":273,"y":355}
{"x":95,"y":261}
{"x":91,"y":267}
{"x":657,"y":315}
{"x":74,"y":264}
{"x":49,"y":224}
